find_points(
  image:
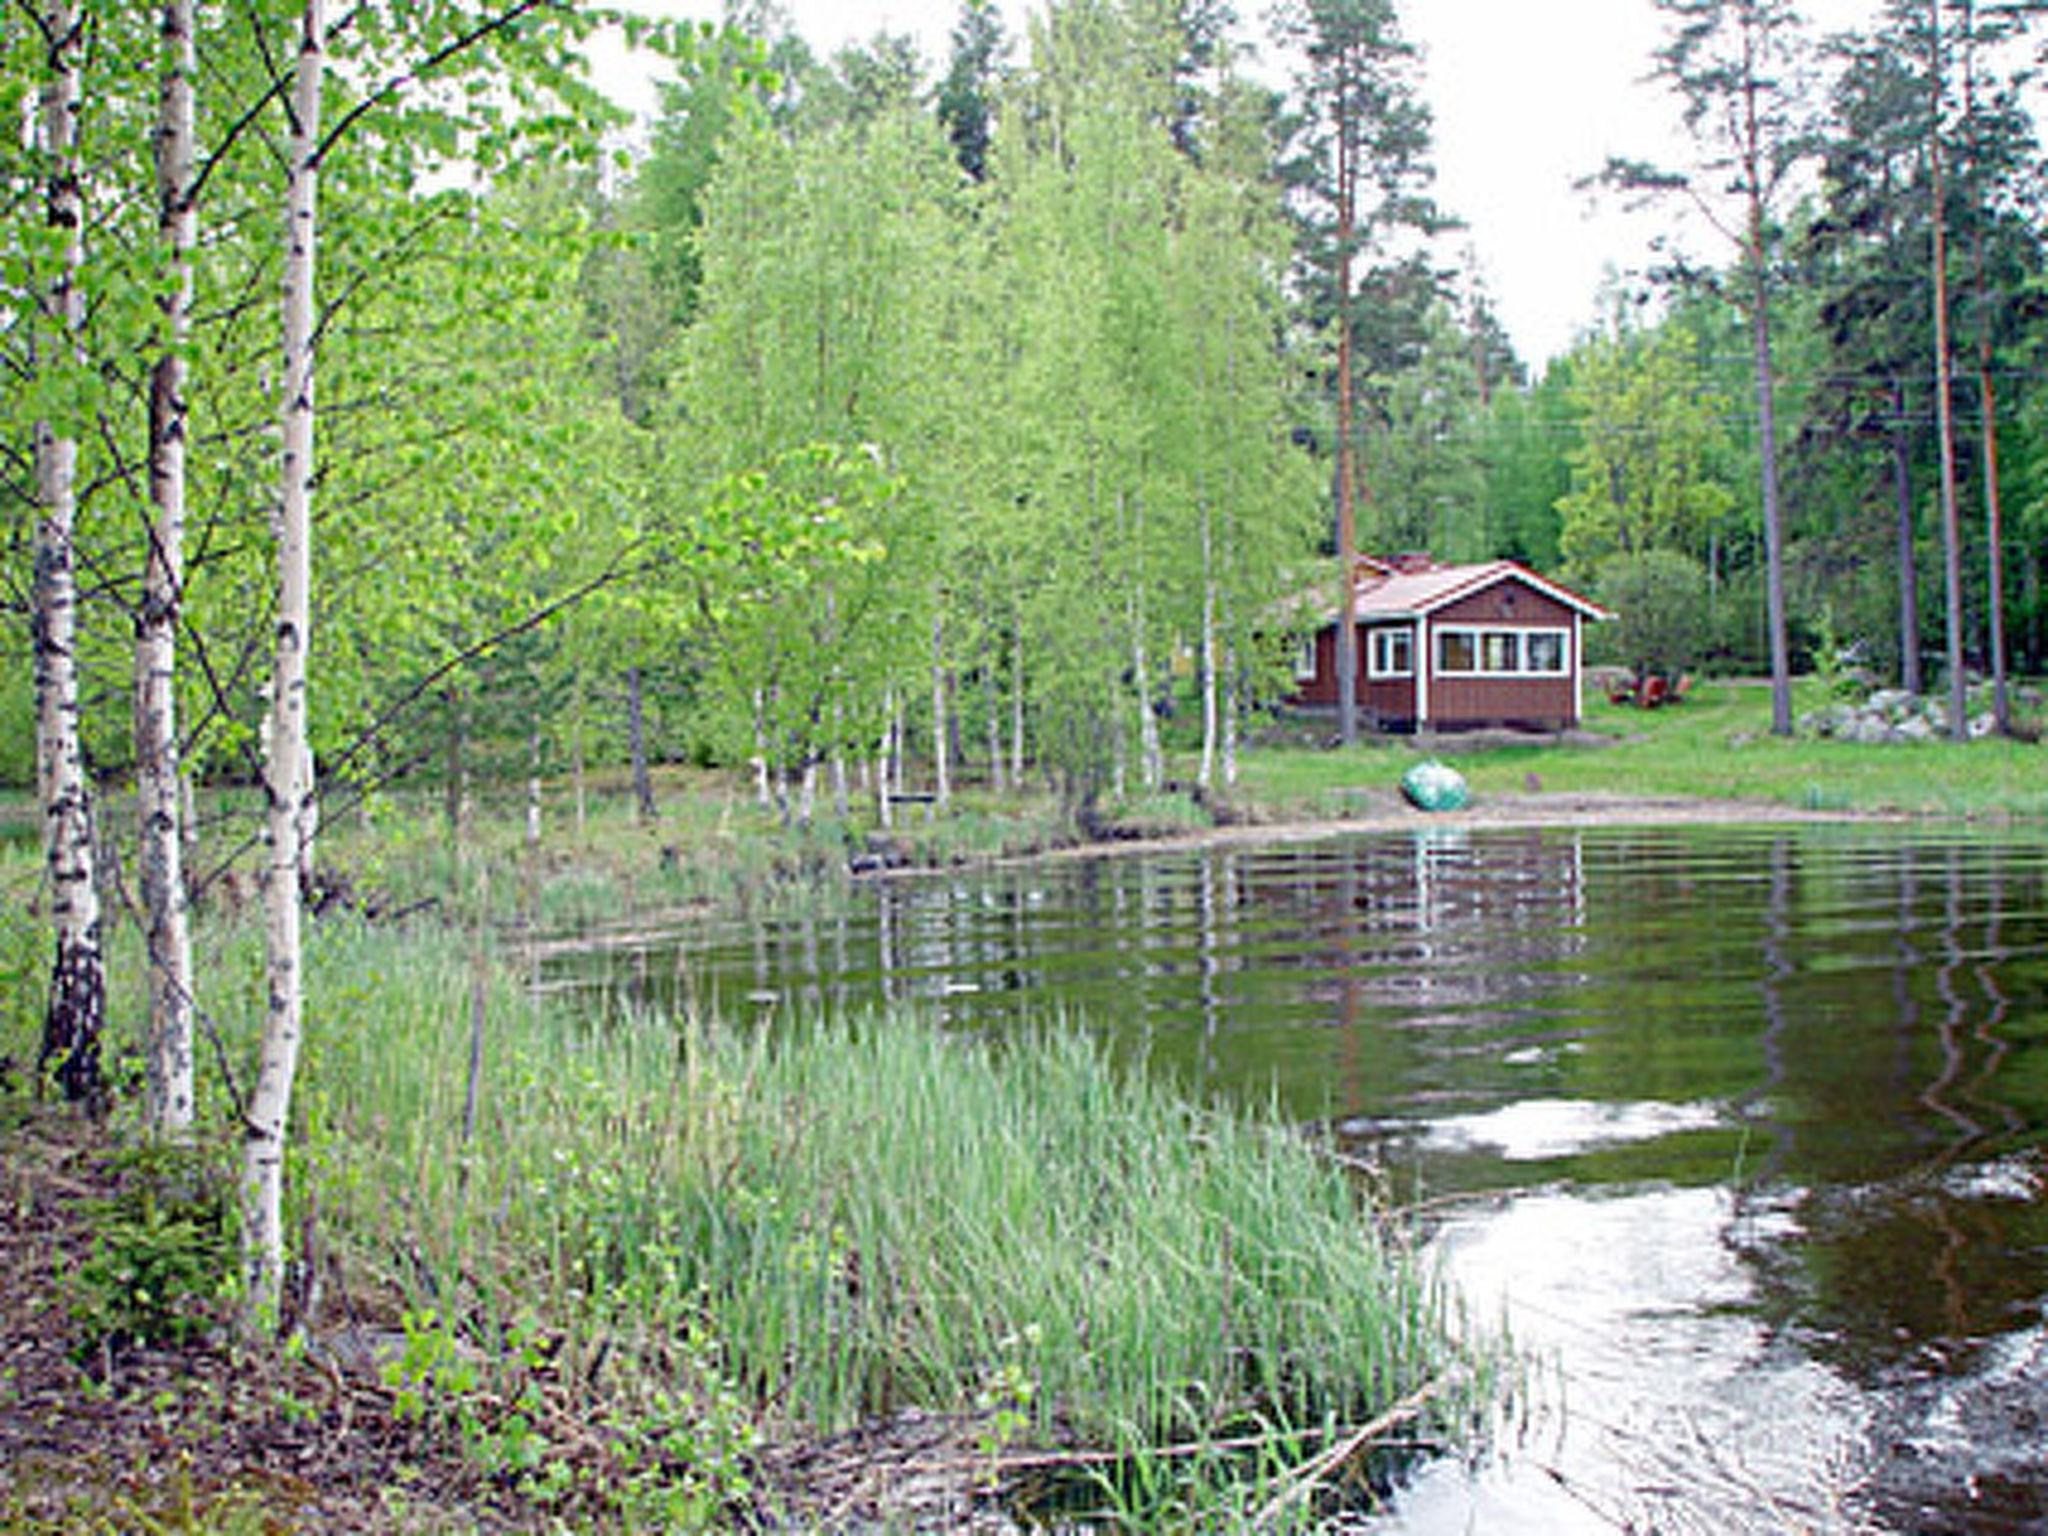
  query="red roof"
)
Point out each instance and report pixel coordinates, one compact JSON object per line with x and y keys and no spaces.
{"x":1416,"y":593}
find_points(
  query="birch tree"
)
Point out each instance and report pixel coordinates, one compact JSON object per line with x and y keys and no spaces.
{"x":287,"y":762}
{"x":160,"y":857}
{"x":75,"y":1015}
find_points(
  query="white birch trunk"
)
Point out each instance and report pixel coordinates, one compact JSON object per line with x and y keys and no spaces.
{"x":1230,"y":718}
{"x":991,"y":700}
{"x":533,"y":791}
{"x":896,"y":739}
{"x":1017,"y":708}
{"x":942,"y":766}
{"x":76,"y":1007}
{"x":838,"y":764}
{"x":884,"y":809}
{"x":1211,"y":721}
{"x":764,"y":792}
{"x":1151,"y":762}
{"x":286,"y":760}
{"x":159,"y":809}
{"x":576,"y":756}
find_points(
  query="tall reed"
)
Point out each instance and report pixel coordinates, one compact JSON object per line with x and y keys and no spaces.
{"x":865,"y":1216}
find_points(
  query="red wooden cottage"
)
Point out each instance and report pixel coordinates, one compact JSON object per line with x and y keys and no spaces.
{"x":1453,"y":647}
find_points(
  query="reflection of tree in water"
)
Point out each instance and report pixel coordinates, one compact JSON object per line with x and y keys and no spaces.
{"x":1913,"y":1219}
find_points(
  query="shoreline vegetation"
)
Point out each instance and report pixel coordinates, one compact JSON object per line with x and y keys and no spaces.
{"x":638,"y":1272}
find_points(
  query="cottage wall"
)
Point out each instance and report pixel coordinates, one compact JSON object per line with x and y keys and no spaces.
{"x":1390,"y":700}
{"x":1320,"y":691}
{"x":1454,"y":701}
{"x":1545,"y":703}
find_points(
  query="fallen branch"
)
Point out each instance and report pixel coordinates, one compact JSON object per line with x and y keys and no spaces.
{"x":1312,"y":1472}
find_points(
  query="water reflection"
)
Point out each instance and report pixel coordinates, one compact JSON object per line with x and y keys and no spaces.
{"x":1743,"y":1128}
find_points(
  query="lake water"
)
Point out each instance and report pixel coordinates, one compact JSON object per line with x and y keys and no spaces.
{"x":1742,"y":1132}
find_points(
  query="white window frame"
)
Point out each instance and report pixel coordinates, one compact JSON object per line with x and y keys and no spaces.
{"x":1305,"y":660}
{"x":1379,"y":659}
{"x":1563,"y":637}
{"x":1479,"y":636}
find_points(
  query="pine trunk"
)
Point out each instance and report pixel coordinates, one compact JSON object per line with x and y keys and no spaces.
{"x":1994,"y":517}
{"x":287,"y":780}
{"x":75,"y":1011}
{"x":159,"y":809}
{"x":1766,"y":403}
{"x":1944,"y":417}
{"x":1347,"y":516}
{"x":1987,"y":416}
{"x":1909,"y":581}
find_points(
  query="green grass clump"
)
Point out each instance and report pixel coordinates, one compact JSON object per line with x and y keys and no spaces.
{"x":855,"y":1219}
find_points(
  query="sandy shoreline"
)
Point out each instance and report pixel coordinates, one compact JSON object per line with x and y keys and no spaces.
{"x":1387,"y":812}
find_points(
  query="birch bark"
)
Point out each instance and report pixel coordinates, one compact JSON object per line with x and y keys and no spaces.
{"x":76,"y":1007}
{"x":942,"y":765}
{"x":159,"y":809}
{"x":287,"y":780}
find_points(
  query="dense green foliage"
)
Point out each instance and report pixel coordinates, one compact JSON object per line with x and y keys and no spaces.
{"x":1073,"y":301}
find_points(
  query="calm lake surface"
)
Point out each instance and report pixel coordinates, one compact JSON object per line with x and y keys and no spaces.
{"x":1743,"y":1132}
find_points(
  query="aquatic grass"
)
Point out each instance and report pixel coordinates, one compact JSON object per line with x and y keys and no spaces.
{"x":864,"y":1216}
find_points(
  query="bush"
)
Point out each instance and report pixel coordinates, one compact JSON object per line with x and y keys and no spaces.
{"x":1659,"y":598}
{"x":163,"y":1251}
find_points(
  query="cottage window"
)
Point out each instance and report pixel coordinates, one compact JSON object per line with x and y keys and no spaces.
{"x":1393,"y":653}
{"x":1305,"y":660}
{"x":1543,"y":651}
{"x":1502,"y":652}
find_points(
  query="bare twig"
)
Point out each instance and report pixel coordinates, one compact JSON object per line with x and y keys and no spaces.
{"x":1305,"y":1478}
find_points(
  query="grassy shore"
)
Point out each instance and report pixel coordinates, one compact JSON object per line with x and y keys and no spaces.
{"x":649,"y":1273}
{"x":1715,"y":746}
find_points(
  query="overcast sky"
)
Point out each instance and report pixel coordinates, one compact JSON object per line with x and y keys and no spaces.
{"x":1528,"y":95}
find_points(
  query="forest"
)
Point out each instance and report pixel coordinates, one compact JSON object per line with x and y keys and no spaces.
{"x":386,"y":408}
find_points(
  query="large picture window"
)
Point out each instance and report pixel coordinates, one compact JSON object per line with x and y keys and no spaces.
{"x":1393,"y":653}
{"x":1502,"y":652}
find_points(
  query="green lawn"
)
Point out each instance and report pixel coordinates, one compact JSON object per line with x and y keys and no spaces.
{"x":1716,"y":745}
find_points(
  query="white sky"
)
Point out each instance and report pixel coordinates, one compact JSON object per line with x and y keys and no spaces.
{"x":1529,"y":96}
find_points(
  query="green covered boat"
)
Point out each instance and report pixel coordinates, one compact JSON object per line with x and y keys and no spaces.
{"x":1434,"y":786}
